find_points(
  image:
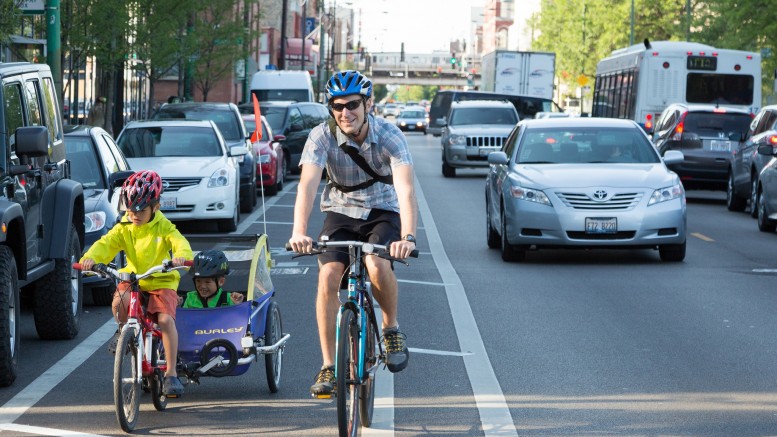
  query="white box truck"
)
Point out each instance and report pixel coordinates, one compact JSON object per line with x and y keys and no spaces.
{"x":519,"y":73}
{"x":292,"y":85}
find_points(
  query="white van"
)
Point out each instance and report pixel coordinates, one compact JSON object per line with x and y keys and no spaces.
{"x":282,"y":85}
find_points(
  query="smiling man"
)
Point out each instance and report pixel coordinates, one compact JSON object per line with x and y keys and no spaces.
{"x":369,"y":197}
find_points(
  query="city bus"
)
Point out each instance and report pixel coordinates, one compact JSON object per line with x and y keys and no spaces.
{"x":639,"y":81}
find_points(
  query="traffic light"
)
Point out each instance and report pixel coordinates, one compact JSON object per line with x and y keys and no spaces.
{"x":453,"y":61}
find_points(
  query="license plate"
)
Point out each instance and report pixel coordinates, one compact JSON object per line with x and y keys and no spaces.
{"x":411,"y":126}
{"x":720,"y":146}
{"x":168,"y":203}
{"x":601,"y":225}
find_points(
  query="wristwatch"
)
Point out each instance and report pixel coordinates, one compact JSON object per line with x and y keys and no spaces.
{"x":410,"y":238}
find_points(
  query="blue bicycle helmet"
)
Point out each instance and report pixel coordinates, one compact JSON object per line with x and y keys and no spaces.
{"x":348,"y":83}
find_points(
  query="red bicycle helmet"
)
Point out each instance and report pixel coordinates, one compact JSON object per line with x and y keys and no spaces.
{"x":140,"y":190}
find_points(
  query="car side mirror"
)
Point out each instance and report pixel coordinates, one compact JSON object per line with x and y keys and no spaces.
{"x":498,"y":158}
{"x":442,"y":121}
{"x":766,"y":149}
{"x":673,"y":157}
{"x":32,"y":141}
{"x":238,"y":150}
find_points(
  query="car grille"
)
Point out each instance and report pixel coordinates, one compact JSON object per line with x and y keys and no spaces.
{"x":175,"y":184}
{"x":486,"y":141}
{"x":618,"y":202}
{"x":620,"y":235}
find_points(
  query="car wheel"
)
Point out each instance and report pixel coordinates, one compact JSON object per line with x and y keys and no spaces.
{"x":102,"y":296}
{"x":734,"y":202}
{"x":764,"y":223}
{"x":447,"y":170}
{"x":253,"y":195}
{"x":247,"y":200}
{"x":424,"y":132}
{"x":492,"y":237}
{"x":59,"y":296}
{"x":672,"y":252}
{"x":754,"y":197}
{"x":509,"y":252}
{"x":10,"y":316}
{"x":282,"y":175}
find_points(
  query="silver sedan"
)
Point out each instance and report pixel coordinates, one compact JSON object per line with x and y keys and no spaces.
{"x":583,"y":183}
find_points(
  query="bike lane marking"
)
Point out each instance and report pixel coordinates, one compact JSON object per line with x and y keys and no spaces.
{"x":495,"y":416}
{"x":43,"y":384}
{"x":383,"y":412}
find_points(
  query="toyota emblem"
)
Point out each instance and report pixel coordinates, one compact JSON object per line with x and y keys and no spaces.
{"x":165,"y":185}
{"x":600,"y":195}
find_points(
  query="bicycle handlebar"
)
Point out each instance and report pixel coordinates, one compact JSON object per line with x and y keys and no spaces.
{"x":368,"y":248}
{"x":106,"y":270}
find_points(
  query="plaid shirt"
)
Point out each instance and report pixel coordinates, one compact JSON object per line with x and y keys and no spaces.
{"x":384,"y":149}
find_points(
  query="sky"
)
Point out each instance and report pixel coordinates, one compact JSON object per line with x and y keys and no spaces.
{"x":423,"y":25}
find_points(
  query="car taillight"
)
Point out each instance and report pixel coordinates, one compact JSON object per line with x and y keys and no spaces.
{"x":719,"y":110}
{"x":773,"y":140}
{"x":678,"y":131}
{"x":649,"y":122}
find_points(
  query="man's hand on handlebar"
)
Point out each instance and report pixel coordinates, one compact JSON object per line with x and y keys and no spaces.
{"x":301,"y":243}
{"x":401,"y":249}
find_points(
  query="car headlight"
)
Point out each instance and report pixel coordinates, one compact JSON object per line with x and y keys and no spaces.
{"x":667,"y":193}
{"x":264,"y":159}
{"x":457,"y":139}
{"x":529,"y":195}
{"x":94,"y":221}
{"x":219,"y":178}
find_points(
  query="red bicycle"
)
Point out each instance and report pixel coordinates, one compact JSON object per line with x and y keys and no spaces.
{"x":139,"y":362}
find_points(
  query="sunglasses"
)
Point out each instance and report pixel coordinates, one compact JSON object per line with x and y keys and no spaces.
{"x":353,"y":104}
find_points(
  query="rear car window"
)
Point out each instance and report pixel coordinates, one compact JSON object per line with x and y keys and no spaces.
{"x":711,"y":124}
{"x":464,"y":116}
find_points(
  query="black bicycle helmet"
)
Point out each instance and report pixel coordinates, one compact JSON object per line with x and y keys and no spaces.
{"x":210,"y":264}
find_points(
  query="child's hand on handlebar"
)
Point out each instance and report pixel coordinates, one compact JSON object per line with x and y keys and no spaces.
{"x":178,"y":262}
{"x":87,"y":264}
{"x":236,"y":297}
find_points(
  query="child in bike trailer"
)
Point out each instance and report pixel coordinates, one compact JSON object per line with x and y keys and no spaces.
{"x":147,"y":238}
{"x":210,"y":270}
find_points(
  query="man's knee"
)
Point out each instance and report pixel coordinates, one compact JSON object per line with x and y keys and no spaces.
{"x":330,"y":275}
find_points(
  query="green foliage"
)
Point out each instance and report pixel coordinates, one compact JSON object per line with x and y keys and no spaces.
{"x":9,"y":18}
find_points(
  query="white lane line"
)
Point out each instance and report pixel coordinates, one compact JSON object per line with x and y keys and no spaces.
{"x":434,"y":352}
{"x":30,"y":395}
{"x":407,"y":281}
{"x":764,"y":270}
{"x":44,"y":431}
{"x":494,"y":414}
{"x":383,"y":413}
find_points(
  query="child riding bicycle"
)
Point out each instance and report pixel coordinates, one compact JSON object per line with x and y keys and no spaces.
{"x":147,"y":238}
{"x":210,"y":270}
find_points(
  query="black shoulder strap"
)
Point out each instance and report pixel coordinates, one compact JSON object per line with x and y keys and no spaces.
{"x":361,"y":162}
{"x":222,"y":301}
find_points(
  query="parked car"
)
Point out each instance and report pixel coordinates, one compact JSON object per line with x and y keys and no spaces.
{"x":706,"y":134}
{"x":583,"y":183}
{"x":472,"y":130}
{"x":228,"y":119}
{"x":747,"y":163}
{"x":98,"y":164}
{"x":412,"y":119}
{"x":293,"y":120}
{"x":200,"y":174}
{"x":766,"y":190}
{"x":270,"y":160}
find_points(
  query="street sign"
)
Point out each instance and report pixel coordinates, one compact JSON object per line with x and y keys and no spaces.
{"x":582,"y":80}
{"x":31,"y":7}
{"x":310,"y":24}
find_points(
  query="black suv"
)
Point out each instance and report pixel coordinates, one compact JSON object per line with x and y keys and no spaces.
{"x":230,"y":123}
{"x":291,"y":123}
{"x":706,"y":134}
{"x":42,"y":212}
{"x":747,"y":163}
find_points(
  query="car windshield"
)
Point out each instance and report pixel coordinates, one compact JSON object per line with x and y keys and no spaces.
{"x":713,"y":124}
{"x":412,"y":114}
{"x":275,"y":116}
{"x":465,"y":116}
{"x":152,"y":141}
{"x":224,"y":119}
{"x":84,"y":166}
{"x":575,"y":145}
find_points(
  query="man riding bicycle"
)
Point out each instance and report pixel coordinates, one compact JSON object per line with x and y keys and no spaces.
{"x":369,"y":197}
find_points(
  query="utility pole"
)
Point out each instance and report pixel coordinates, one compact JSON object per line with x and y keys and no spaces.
{"x":247,"y":47}
{"x":54,"y":45}
{"x":304,"y":32}
{"x":284,"y":11}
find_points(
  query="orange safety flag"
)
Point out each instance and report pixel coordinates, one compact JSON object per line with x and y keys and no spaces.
{"x":257,"y":135}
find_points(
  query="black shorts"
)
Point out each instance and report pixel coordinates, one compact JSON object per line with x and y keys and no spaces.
{"x":380,"y":227}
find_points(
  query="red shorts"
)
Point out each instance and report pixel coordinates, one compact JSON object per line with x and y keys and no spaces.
{"x":164,"y":300}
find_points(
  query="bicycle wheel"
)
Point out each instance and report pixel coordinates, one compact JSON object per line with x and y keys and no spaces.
{"x":367,"y":388}
{"x":156,"y":380}
{"x":273,"y":331}
{"x":126,"y":384}
{"x":347,"y":386}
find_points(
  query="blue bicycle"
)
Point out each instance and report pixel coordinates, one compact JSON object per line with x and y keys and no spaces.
{"x":359,"y":351}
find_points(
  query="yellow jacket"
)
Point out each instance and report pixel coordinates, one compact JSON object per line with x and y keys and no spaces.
{"x":145,"y":246}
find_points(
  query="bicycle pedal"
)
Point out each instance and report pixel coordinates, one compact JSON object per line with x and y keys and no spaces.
{"x":171,"y":396}
{"x":321,"y":396}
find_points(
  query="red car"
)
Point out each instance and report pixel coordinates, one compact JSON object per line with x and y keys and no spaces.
{"x":271,"y":163}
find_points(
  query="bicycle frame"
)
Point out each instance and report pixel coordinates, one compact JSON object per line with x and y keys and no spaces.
{"x":139,"y":321}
